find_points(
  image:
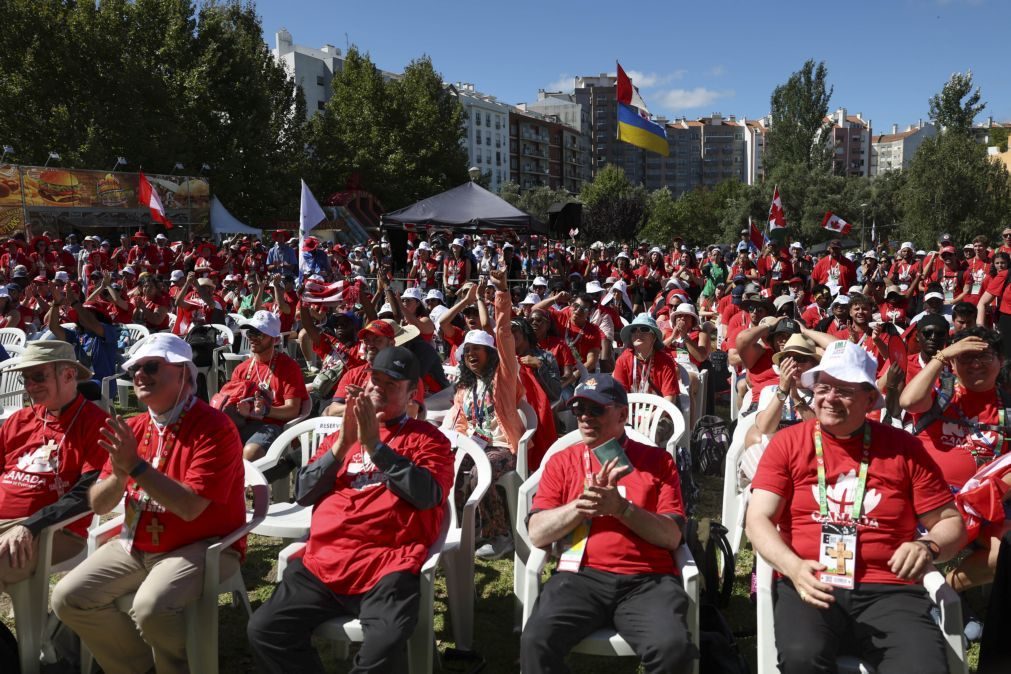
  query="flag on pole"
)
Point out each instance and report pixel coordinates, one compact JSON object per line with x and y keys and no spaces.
{"x":148,"y":196}
{"x":309,"y":213}
{"x":874,"y":231}
{"x":758,"y":239}
{"x":777,"y":218}
{"x":635,"y":126}
{"x":834,"y":223}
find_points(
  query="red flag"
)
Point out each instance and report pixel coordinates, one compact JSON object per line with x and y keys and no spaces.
{"x":757,"y":238}
{"x":623,"y":89}
{"x":834,"y":223}
{"x":777,"y":218}
{"x":148,"y":196}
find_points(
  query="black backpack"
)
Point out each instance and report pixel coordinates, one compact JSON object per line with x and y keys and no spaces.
{"x":9,"y":661}
{"x":710,"y":442}
{"x":689,"y":488}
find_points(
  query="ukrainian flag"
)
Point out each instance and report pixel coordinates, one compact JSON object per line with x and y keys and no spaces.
{"x":638,"y":131}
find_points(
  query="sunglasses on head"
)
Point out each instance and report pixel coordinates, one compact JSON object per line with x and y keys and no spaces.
{"x":587,"y":408}
{"x":148,"y":367}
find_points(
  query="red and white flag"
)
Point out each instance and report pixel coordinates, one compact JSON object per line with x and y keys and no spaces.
{"x":777,"y":218}
{"x":834,"y":223}
{"x":148,"y":196}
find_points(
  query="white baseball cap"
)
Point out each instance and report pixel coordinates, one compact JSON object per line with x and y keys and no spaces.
{"x":479,"y":337}
{"x":622,"y":254}
{"x":161,"y":237}
{"x":841,"y":299}
{"x":540,"y":281}
{"x":921,"y":252}
{"x":434,"y":294}
{"x":264,"y":321}
{"x":933,"y":296}
{"x":459,"y":242}
{"x":797,"y":244}
{"x":531,"y":298}
{"x":507,"y":245}
{"x":845,"y":361}
{"x":177,"y":275}
{"x":164,"y":345}
{"x":62,"y":276}
{"x":129,"y":270}
{"x":413,"y":293}
{"x":424,"y":246}
{"x":385,"y":309}
{"x":685,"y":308}
{"x":855,"y":290}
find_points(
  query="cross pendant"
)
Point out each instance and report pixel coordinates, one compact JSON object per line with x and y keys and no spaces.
{"x":155,"y":529}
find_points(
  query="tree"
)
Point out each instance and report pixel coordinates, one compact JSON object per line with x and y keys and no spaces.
{"x":663,"y":217}
{"x":998,"y":138}
{"x":953,"y":186}
{"x":799,"y":133}
{"x":948,"y":110}
{"x":613,"y":208}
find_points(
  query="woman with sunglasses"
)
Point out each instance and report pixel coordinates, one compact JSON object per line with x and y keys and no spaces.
{"x":968,"y":432}
{"x":645,"y":367}
{"x":996,"y":299}
{"x":583,"y":339}
{"x":955,"y":283}
{"x":548,"y":340}
{"x":486,"y":409}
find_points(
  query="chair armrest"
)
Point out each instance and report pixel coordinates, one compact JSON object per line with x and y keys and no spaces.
{"x":523,"y":449}
{"x":947,"y":600}
{"x":46,"y":535}
{"x":212,"y":558}
{"x":289,"y":553}
{"x":103,"y":532}
{"x":536,"y":560}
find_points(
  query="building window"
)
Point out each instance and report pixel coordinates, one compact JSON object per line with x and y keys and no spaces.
{"x":487,"y":140}
{"x":487,"y":119}
{"x":320,"y":81}
{"x":320,"y":105}
{"x":477,"y":118}
{"x":477,"y":135}
{"x":477,"y":157}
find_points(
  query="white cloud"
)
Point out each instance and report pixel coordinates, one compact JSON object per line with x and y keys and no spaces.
{"x":650,"y":80}
{"x":718,"y":71}
{"x":563,"y":83}
{"x":676,"y":100}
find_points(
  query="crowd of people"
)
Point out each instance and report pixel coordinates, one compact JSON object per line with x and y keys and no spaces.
{"x":870,"y":390}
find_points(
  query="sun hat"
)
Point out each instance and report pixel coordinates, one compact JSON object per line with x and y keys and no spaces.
{"x":177,"y":275}
{"x":413,"y":294}
{"x":840,"y":299}
{"x":602,"y":389}
{"x":797,"y":345}
{"x":594,"y":287}
{"x":531,"y":299}
{"x":458,"y":242}
{"x":642,"y":320}
{"x":266,"y":322}
{"x":893,"y":290}
{"x":845,"y":361}
{"x":782,"y":301}
{"x":172,"y":348}
{"x":397,"y":362}
{"x":907,"y":244}
{"x":434,"y":294}
{"x":46,"y":351}
{"x":402,"y":334}
{"x":479,"y":338}
{"x":870,"y":255}
{"x":685,"y":309}
{"x":424,"y":246}
{"x":540,"y":281}
{"x":206,"y":282}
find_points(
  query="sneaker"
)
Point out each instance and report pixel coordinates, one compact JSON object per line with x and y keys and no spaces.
{"x":973,"y":629}
{"x":496,"y":548}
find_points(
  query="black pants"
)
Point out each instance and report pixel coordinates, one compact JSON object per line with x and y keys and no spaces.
{"x":888,"y":626}
{"x":649,"y":611}
{"x":280,"y":632}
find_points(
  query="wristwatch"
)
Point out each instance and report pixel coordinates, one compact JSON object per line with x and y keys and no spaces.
{"x":932,"y":546}
{"x":782,"y":395}
{"x":629,"y":507}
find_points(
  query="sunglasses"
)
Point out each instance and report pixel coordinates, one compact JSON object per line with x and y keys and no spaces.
{"x":149,"y":367}
{"x":35,"y":378}
{"x":579,"y":308}
{"x":640,"y":330}
{"x":253,"y":333}
{"x":583,"y":407}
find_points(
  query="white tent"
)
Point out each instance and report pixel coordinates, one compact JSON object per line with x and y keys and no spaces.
{"x":223,"y":222}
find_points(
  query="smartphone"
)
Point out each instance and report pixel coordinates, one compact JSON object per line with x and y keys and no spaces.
{"x":609,"y":450}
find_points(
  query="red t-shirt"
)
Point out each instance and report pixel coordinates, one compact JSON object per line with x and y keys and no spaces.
{"x":813,"y":315}
{"x":360,"y":375}
{"x":829,"y":270}
{"x":361,"y":531}
{"x":153,"y":305}
{"x":282,"y":376}
{"x":585,"y":339}
{"x":892,"y":313}
{"x":652,"y":486}
{"x":207,"y":458}
{"x":33,"y":478}
{"x":902,"y":483}
{"x":896,"y":350}
{"x":951,"y":444}
{"x":658,"y":377}
{"x":995,"y":286}
{"x":978,"y":275}
{"x":557,"y":348}
{"x":838,"y":330}
{"x":762,"y":374}
{"x":331,"y":351}
{"x":903,"y":272}
{"x":287,"y":319}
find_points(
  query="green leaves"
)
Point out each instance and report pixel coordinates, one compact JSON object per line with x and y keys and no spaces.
{"x":799,"y":133}
{"x":947,"y":109}
{"x":613,"y":208}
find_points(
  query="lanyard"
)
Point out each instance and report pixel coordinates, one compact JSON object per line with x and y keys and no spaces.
{"x":253,"y":369}
{"x":858,"y":498}
{"x":641,"y":384}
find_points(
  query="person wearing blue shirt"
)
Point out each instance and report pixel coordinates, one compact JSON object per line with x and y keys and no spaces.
{"x":282,"y":258}
{"x":96,"y":340}
{"x":314,"y":261}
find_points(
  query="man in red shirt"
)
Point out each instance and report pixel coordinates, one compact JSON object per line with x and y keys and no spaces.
{"x":630,"y":518}
{"x":834,"y":270}
{"x":179,"y":469}
{"x":584,"y":339}
{"x":378,"y":490}
{"x":50,"y":457}
{"x":844,"y":537}
{"x":266,"y":390}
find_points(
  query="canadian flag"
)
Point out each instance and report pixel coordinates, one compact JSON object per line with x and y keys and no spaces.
{"x":834,"y":223}
{"x":777,"y":218}
{"x":149,"y":197}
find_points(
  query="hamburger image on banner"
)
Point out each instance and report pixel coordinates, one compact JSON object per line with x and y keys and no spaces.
{"x":59,"y":187}
{"x":110,"y":192}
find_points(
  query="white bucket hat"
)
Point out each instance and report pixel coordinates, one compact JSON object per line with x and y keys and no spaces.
{"x":540,"y":281}
{"x":907,"y":244}
{"x":480,"y":338}
{"x":686,"y":309}
{"x":531,"y":298}
{"x":434,"y":294}
{"x":845,"y":361}
{"x":413,"y":294}
{"x":594,"y":287}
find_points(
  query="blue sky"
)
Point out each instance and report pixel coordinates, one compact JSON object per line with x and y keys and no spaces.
{"x":885,"y":58}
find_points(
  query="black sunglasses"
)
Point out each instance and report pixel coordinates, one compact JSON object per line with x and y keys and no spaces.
{"x":583,"y":407}
{"x":35,"y":378}
{"x":150,"y":368}
{"x":640,"y":330}
{"x":253,"y":333}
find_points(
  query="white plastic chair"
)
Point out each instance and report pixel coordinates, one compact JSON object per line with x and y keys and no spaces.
{"x":12,"y":390}
{"x":283,"y":519}
{"x":121,"y":381}
{"x":231,"y":360}
{"x":137,"y":332}
{"x":30,"y":599}
{"x":225,"y":340}
{"x":201,"y":616}
{"x":645,"y":412}
{"x":735,"y":499}
{"x":942,"y":594}
{"x":605,"y":641}
{"x":14,"y":351}
{"x":346,"y":630}
{"x":458,"y":552}
{"x":13,"y":337}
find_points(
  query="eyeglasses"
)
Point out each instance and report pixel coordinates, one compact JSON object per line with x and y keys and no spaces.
{"x":579,"y":308}
{"x":35,"y":378}
{"x":822,"y":390}
{"x":640,"y":330}
{"x":148,"y":367}
{"x":1007,"y":235}
{"x":586,"y":408}
{"x":253,"y":333}
{"x":981,"y":358}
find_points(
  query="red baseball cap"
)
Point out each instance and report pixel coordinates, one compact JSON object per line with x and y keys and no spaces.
{"x":379,"y":328}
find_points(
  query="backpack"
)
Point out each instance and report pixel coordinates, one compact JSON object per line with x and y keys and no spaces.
{"x":717,"y":647}
{"x":9,"y":660}
{"x":690,"y":491}
{"x":710,"y":442}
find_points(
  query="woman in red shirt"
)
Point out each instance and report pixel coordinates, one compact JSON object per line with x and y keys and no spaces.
{"x":645,"y":367}
{"x":997,"y":289}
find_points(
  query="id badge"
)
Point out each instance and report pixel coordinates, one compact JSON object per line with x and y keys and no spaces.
{"x":838,"y":553}
{"x":683,"y":357}
{"x":480,"y":439}
{"x":131,"y":517}
{"x":977,"y":288}
{"x":948,"y":295}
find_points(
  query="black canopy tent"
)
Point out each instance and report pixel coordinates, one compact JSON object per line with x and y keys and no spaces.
{"x":467,"y":208}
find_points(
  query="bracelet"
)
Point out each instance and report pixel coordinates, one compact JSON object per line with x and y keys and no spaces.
{"x":139,"y":469}
{"x":941,"y":358}
{"x":933,"y":547}
{"x":629,"y":507}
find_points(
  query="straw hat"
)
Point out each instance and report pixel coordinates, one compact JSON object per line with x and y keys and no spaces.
{"x":797,"y":345}
{"x":44,"y":352}
{"x":402,"y":334}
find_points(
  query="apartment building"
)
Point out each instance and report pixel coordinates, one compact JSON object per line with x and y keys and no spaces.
{"x":893,"y":151}
{"x":486,"y":132}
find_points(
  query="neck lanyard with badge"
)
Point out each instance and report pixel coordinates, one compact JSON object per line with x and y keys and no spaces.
{"x":640,"y":382}
{"x":263,"y":382}
{"x":837,"y":546}
{"x":480,"y":414}
{"x":571,"y":557}
{"x":47,"y":457}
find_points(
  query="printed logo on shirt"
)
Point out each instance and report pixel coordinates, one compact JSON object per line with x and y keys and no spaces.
{"x":37,"y":461}
{"x":369,"y":480}
{"x":840,"y":501}
{"x":956,"y":435}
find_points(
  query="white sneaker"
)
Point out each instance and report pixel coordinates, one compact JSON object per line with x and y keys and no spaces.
{"x":496,"y":548}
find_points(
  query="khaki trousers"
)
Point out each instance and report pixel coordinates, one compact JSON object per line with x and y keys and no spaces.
{"x":65,"y":546}
{"x":153,"y":635}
